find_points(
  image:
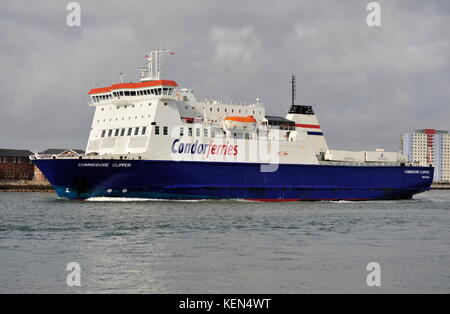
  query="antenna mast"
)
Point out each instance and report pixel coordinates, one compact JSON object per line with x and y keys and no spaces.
{"x":294,"y":92}
{"x":152,"y":71}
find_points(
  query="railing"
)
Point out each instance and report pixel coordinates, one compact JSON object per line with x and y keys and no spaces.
{"x":368,"y":164}
{"x":231,"y":103}
{"x":125,"y":100}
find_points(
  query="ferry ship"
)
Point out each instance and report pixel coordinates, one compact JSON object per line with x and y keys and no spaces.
{"x":154,"y":140}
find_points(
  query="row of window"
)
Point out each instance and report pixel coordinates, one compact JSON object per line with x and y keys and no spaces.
{"x":133,"y":131}
{"x":11,"y":174}
{"x":122,"y":132}
{"x":145,"y":92}
{"x":165,"y":130}
{"x":226,"y":110}
{"x":158,"y":130}
{"x":197,"y":132}
{"x":123,"y":118}
{"x":14,"y":160}
{"x":206,"y":133}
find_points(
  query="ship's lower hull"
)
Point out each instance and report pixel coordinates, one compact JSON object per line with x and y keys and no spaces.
{"x":87,"y":178}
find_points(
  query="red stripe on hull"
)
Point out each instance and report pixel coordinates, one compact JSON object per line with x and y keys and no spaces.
{"x":310,"y":200}
{"x":273,"y":200}
{"x":308,"y":126}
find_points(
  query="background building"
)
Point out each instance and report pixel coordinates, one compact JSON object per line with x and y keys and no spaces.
{"x":38,"y":175}
{"x":15,"y":164}
{"x":429,"y":147}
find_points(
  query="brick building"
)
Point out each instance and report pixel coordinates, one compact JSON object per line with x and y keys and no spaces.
{"x":16,"y":165}
{"x":38,"y":175}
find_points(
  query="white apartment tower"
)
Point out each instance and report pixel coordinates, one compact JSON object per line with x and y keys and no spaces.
{"x":429,"y":147}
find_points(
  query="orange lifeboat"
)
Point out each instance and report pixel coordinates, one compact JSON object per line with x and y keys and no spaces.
{"x":240,"y":122}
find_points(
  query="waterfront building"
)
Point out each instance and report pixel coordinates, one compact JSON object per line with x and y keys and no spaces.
{"x":429,"y":147}
{"x":15,"y":164}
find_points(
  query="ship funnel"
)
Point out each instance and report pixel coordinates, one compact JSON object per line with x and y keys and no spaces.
{"x":306,"y":120}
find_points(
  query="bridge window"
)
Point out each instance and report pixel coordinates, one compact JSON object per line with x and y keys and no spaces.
{"x":136,"y":131}
{"x":197,"y":132}
{"x":181,"y":131}
{"x":190,"y":131}
{"x":116,"y":133}
{"x":205,"y":132}
{"x":130,"y":131}
{"x":156,"y":129}
{"x":122,"y":132}
{"x":103,"y":133}
{"x":166,"y":130}
{"x":144,"y":130}
{"x":110,"y":133}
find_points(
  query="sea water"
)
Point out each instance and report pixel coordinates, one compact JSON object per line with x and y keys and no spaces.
{"x":150,"y":246}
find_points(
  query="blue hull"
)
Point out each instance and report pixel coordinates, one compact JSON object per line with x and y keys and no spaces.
{"x":82,"y":179}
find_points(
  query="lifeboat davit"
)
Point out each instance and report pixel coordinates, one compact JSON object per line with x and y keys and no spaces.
{"x":246,"y":123}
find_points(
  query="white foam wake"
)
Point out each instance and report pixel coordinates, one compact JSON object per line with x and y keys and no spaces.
{"x":131,"y":199}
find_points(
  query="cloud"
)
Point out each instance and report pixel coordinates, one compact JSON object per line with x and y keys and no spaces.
{"x":302,"y":31}
{"x":234,"y":47}
{"x":367,"y":84}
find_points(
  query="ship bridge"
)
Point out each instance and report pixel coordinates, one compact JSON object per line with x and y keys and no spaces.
{"x":150,"y":84}
{"x":126,"y":90}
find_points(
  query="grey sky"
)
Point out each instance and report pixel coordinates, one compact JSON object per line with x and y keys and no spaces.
{"x":367,"y":84}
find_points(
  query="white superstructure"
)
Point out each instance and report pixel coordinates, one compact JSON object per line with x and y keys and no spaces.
{"x":156,"y":120}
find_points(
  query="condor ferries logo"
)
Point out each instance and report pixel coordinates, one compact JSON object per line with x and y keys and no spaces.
{"x":210,"y":149}
{"x":225,"y":148}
